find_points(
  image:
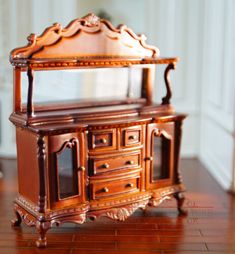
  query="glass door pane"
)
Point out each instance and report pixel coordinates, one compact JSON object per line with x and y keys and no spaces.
{"x":67,"y":173}
{"x":161,"y":158}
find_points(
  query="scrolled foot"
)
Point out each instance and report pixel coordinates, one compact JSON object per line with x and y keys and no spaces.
{"x":17,"y":221}
{"x":42,"y":228}
{"x":180,"y":198}
{"x":41,"y":243}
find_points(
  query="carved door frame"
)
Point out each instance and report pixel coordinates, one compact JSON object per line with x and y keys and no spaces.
{"x":57,"y":144}
{"x":159,"y":130}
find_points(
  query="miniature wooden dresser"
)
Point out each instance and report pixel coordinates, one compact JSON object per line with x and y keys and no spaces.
{"x":93,"y":158}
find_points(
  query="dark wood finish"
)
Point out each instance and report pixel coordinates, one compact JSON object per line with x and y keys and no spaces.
{"x":42,"y":174}
{"x":114,"y":188}
{"x":27,"y":144}
{"x":17,"y":89}
{"x":95,"y":158}
{"x":166,"y":99}
{"x":103,"y":139}
{"x":30,"y":105}
{"x":116,"y":162}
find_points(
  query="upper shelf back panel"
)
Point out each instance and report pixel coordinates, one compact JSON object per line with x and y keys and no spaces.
{"x":88,"y":37}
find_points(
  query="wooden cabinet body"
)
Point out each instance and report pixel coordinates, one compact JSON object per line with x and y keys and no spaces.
{"x":108,"y":159}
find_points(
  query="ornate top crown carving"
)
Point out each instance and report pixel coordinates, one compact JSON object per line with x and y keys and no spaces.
{"x":91,"y":20}
{"x":87,"y":38}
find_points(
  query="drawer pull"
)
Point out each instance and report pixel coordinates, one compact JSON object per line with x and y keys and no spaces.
{"x":103,"y":140}
{"x":105,"y":189}
{"x":82,"y":169}
{"x":131,"y":185}
{"x":132,"y":137}
{"x":130,"y":162}
{"x":105,"y":165}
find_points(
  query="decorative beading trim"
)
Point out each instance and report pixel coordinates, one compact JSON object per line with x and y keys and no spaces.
{"x":123,"y":201}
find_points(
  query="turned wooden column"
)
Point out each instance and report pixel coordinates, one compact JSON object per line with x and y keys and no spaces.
{"x":17,"y":89}
{"x":42,"y":174}
{"x":30,"y":109}
{"x":148,"y":84}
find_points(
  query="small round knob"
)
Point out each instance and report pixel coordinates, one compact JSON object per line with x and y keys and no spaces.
{"x":133,"y":137}
{"x":105,"y":165}
{"x":105,"y":189}
{"x":130,"y":162}
{"x":103,"y":140}
{"x":82,"y":168}
{"x":130,"y":185}
{"x":149,"y":158}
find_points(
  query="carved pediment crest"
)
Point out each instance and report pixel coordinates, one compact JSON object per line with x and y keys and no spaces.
{"x":85,"y":38}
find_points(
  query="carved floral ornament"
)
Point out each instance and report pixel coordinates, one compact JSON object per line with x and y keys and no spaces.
{"x":91,"y":20}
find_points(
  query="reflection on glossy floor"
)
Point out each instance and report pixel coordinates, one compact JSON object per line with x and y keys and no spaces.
{"x":209,"y":227}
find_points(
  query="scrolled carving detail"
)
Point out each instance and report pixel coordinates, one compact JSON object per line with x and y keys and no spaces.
{"x":24,"y":216}
{"x":123,"y":213}
{"x":32,"y":39}
{"x":90,"y":20}
{"x":166,"y":99}
{"x":134,"y":44}
{"x":119,"y":213}
{"x":157,"y":202}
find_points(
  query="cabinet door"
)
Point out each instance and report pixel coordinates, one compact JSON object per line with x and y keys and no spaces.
{"x":159,"y":155}
{"x":67,"y":170}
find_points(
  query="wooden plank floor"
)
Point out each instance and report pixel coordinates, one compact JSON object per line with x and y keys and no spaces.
{"x":208,"y":228}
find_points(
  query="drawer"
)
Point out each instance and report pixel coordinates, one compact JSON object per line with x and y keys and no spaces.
{"x":122,"y":161}
{"x":132,"y":136}
{"x":112,"y":188}
{"x":103,"y":139}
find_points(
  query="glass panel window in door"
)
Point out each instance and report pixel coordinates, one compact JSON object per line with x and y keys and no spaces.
{"x":67,"y":173}
{"x":161,"y":159}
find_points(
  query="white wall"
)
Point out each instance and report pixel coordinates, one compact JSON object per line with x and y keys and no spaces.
{"x":175,"y":27}
{"x":200,"y":32}
{"x":218,"y":109}
{"x":17,"y":20}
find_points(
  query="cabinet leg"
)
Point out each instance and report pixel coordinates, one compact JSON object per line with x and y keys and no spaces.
{"x":42,"y":228}
{"x":179,"y":196}
{"x":17,"y":221}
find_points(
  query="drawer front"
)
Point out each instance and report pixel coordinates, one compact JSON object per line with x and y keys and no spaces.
{"x":105,"y":139}
{"x":112,"y":188}
{"x":132,"y":136}
{"x":103,"y":165}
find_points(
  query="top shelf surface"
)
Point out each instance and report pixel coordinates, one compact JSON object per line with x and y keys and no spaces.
{"x":70,"y":63}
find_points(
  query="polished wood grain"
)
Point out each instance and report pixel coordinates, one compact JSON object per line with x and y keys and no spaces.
{"x":208,"y":228}
{"x":84,"y":38}
{"x":84,"y":159}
